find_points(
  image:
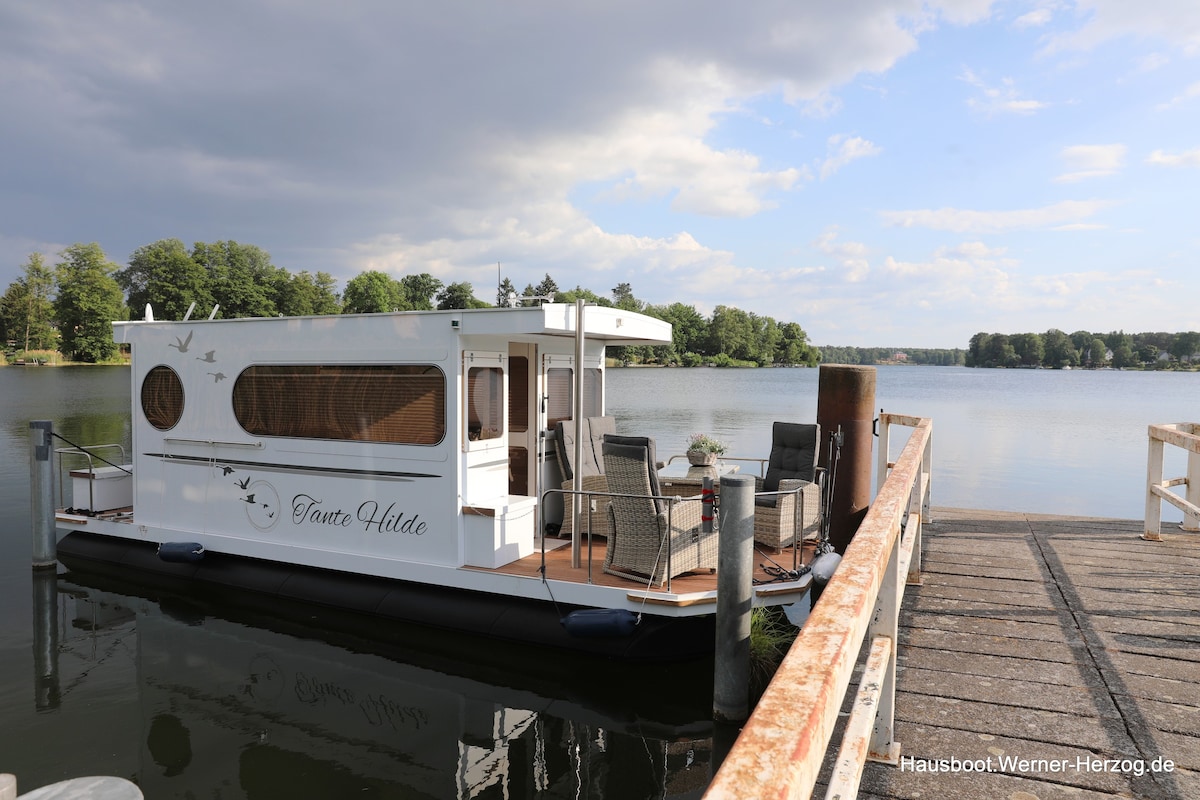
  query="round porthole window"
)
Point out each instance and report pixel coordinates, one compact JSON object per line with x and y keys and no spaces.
{"x":162,"y":398}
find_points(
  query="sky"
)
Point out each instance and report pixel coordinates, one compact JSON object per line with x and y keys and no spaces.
{"x":882,"y":172}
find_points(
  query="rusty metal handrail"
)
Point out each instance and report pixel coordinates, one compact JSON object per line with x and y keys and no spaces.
{"x":1185,"y":435}
{"x":780,"y":751}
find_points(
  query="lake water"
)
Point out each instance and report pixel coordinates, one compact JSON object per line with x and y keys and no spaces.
{"x":196,"y":701}
{"x":1044,"y":441}
{"x":202,"y":702}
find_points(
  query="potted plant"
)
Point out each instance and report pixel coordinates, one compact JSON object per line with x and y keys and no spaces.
{"x":703,"y":450}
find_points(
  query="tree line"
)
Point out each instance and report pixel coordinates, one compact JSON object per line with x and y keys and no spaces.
{"x":934,"y":356}
{"x":69,"y":306}
{"x":1055,"y":349}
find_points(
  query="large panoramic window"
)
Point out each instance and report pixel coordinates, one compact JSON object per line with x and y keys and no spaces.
{"x":394,"y":403}
{"x":162,"y":398}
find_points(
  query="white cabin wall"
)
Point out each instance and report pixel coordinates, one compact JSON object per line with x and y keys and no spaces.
{"x":318,"y":500}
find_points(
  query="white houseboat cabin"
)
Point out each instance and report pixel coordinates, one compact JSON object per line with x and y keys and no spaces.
{"x":378,"y":449}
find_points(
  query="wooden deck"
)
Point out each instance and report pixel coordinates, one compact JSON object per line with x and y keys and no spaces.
{"x":558,"y":567}
{"x":1053,"y":646}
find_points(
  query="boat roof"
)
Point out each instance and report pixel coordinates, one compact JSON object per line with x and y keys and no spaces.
{"x":613,"y":326}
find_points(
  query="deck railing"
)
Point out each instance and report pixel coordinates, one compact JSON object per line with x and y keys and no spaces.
{"x":780,"y":751}
{"x":1185,"y":435}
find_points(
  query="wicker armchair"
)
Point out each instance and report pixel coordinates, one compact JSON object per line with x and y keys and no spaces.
{"x":792,"y":465}
{"x":652,"y":537}
{"x":591,"y":472}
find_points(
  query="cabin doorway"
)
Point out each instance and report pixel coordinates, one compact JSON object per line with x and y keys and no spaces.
{"x":522,"y":419}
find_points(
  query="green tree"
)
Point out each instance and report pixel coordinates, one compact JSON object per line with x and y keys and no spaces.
{"x":420,"y":290}
{"x":26,"y":312}
{"x":1097,"y":352}
{"x":503,"y":291}
{"x":458,"y":295}
{"x":88,"y":301}
{"x":1059,"y":350}
{"x":689,"y":329}
{"x":371,"y":292}
{"x":305,"y":294}
{"x":793,"y":347}
{"x":586,"y":295}
{"x":1028,"y":348}
{"x":977,"y":350}
{"x":1082,"y":340}
{"x":1000,"y":352}
{"x":766,"y":339}
{"x":623,"y":298}
{"x":241,"y":278}
{"x":164,"y":276}
{"x":732,"y":332}
{"x":543,"y":290}
{"x":1123,"y":356}
{"x":1185,"y":346}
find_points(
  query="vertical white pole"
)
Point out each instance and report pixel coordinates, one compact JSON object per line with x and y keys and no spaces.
{"x":886,"y":622}
{"x":881,"y":452}
{"x":1191,"y":522}
{"x":577,"y":411}
{"x":1154,"y":477}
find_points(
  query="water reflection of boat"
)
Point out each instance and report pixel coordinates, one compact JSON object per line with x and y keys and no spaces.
{"x":266,"y":708}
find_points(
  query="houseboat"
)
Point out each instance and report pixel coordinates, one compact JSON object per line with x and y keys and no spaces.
{"x":393,"y":464}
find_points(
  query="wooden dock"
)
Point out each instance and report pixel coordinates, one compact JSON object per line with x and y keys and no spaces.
{"x":1060,"y":653}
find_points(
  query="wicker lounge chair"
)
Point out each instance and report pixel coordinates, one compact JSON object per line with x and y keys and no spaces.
{"x":652,"y":537}
{"x":591,"y":471}
{"x":792,"y":466}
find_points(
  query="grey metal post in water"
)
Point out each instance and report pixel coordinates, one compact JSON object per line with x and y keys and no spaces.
{"x":41,"y":493}
{"x":735,"y":587}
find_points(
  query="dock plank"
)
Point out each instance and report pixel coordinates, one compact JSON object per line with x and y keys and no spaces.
{"x":1056,"y":642}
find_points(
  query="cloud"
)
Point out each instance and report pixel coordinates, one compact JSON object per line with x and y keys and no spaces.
{"x":1152,"y":61}
{"x":1185,"y":97}
{"x":965,"y":220}
{"x":1174,"y":21}
{"x":323,"y":134}
{"x":850,"y":256}
{"x":1034,"y":19}
{"x":841,"y":151}
{"x":964,"y":12}
{"x":1188,"y":158}
{"x":1004,"y":98}
{"x":1091,"y":161}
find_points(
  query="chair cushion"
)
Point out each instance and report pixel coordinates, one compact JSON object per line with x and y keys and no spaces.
{"x":635,"y":447}
{"x":793,"y":453}
{"x":594,"y":429}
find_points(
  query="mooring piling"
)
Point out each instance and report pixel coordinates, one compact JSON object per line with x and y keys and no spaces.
{"x":846,"y":400}
{"x":735,"y":591}
{"x":41,"y":493}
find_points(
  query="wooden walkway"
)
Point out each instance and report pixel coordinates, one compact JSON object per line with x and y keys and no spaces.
{"x":1061,"y":653}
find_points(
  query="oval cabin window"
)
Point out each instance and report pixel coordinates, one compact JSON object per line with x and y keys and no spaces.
{"x":162,"y":398}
